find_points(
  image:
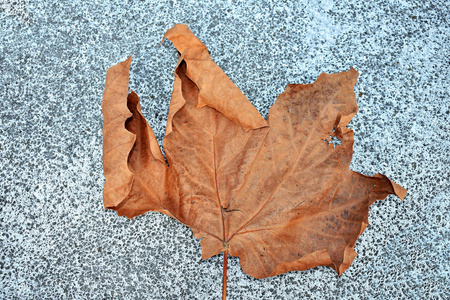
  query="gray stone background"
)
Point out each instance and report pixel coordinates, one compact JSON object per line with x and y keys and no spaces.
{"x":58,"y":242}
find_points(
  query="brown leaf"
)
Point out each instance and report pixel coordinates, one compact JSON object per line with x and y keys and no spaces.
{"x":277,"y":194}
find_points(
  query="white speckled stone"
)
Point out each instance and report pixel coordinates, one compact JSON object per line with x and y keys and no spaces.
{"x":58,"y":242}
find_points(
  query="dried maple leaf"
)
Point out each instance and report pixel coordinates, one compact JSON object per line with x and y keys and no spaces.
{"x":277,"y":193}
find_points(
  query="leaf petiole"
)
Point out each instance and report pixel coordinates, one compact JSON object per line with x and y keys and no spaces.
{"x":224,"y":284}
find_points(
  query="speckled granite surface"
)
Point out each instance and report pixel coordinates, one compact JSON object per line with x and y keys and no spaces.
{"x":58,"y":242}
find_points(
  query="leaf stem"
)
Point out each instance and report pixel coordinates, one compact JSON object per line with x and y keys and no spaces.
{"x":224,"y":284}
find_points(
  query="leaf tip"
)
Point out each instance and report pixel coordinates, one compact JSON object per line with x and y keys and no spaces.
{"x":349,"y":256}
{"x":127,"y":62}
{"x":177,"y":28}
{"x":353,"y":71}
{"x":397,"y":189}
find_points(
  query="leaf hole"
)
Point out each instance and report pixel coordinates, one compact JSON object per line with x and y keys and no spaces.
{"x":333,"y":139}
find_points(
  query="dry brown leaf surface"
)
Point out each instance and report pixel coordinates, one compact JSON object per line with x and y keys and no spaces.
{"x":277,"y":193}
